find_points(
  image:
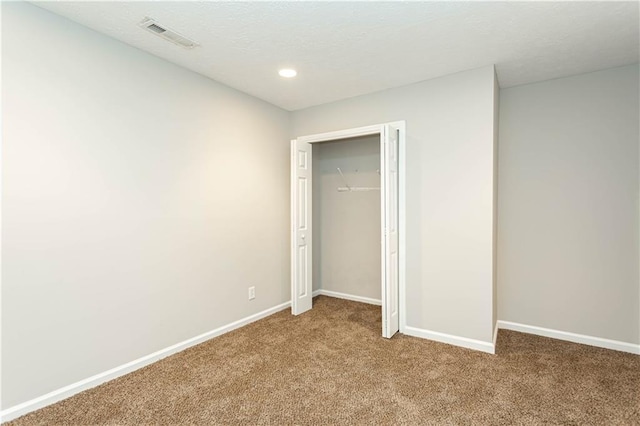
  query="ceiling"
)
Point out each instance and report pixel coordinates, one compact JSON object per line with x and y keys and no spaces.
{"x":346,"y":49}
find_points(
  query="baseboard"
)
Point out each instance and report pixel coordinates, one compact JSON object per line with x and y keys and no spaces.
{"x":345,"y":296}
{"x":571,"y":337}
{"x":93,"y":381}
{"x":495,"y":334}
{"x":464,"y":342}
{"x":418,"y":332}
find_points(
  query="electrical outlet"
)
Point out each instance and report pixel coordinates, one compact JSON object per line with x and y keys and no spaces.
{"x":252,"y":293}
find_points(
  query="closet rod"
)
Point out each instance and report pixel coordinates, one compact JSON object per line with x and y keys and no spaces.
{"x":357,"y":189}
{"x":347,"y":188}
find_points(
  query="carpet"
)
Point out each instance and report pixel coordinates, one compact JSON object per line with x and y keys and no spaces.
{"x":331,"y":366}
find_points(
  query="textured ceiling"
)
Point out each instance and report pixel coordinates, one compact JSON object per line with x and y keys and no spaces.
{"x":345,"y":49}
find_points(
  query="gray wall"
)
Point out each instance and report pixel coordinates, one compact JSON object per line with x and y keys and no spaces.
{"x":140,"y":200}
{"x":347,"y":251}
{"x":449,"y":177}
{"x":568,"y":204}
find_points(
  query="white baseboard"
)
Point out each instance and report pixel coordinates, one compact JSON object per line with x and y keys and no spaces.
{"x":418,"y":332}
{"x":495,"y":334}
{"x":571,"y":337}
{"x":345,"y":296}
{"x":93,"y":381}
{"x":464,"y":342}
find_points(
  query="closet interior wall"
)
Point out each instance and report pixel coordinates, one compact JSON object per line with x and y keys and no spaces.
{"x":346,"y":231}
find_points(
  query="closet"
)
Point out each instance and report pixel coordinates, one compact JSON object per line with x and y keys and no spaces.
{"x":346,"y":218}
{"x":337,"y":178}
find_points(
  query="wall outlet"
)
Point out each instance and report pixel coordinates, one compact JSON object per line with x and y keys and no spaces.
{"x":252,"y":293}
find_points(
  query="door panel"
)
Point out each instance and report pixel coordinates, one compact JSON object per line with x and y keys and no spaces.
{"x":301,"y":233}
{"x":389,"y":200}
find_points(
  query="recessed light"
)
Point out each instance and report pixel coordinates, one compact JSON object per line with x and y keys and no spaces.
{"x":288,"y":73}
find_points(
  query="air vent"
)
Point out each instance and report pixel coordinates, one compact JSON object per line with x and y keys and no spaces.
{"x":166,"y":33}
{"x":156,"y":28}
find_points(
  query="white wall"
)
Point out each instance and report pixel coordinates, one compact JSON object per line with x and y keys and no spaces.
{"x":346,"y":225}
{"x":568,"y":204}
{"x":140,"y":200}
{"x":449,"y":198}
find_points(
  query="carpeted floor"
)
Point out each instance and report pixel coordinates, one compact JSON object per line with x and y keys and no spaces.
{"x":331,"y":366}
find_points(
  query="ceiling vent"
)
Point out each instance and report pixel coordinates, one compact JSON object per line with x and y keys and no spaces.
{"x":167,"y":33}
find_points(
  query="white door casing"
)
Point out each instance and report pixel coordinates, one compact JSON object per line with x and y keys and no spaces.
{"x":392,"y":280}
{"x":389,"y":229}
{"x":301,"y":235}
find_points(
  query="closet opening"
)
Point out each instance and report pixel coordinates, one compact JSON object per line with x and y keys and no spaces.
{"x":346,"y":219}
{"x":346,"y":196}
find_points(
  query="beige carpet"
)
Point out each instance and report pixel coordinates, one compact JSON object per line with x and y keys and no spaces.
{"x":330,"y":366}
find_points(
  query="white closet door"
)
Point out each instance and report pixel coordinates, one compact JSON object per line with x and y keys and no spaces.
{"x":301,"y":235}
{"x":389,"y":199}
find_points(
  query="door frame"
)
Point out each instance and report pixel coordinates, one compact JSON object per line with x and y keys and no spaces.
{"x":376,"y":129}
